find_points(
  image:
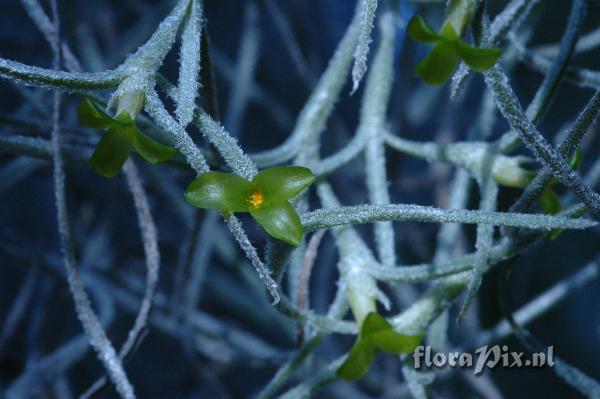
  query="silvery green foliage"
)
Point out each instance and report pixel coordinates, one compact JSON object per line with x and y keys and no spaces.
{"x":231,"y":152}
{"x":484,"y":242}
{"x":88,"y":318}
{"x":189,"y":70}
{"x":39,"y":16}
{"x":356,"y":261}
{"x":245,"y":69}
{"x":151,"y":253}
{"x":511,"y":109}
{"x":179,"y":138}
{"x":541,"y":304}
{"x":585,"y":384}
{"x":368,"y":8}
{"x":566,"y":148}
{"x":69,"y":81}
{"x":325,"y":218}
{"x":372,"y":121}
{"x":149,"y":57}
{"x":417,"y":382}
{"x":240,"y":236}
{"x":313,"y":116}
{"x":567,"y":48}
{"x":513,"y":14}
{"x":509,"y":19}
{"x":369,"y":272}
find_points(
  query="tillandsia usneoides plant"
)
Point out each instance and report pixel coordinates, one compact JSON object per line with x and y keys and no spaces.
{"x":298,"y":199}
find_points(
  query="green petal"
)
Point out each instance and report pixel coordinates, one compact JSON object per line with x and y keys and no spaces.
{"x":478,"y":59}
{"x":448,"y":33}
{"x":374,"y":323}
{"x":438,"y":66}
{"x":91,"y":115}
{"x":280,"y":183}
{"x":112,"y":151}
{"x":280,"y":221}
{"x":149,"y":149}
{"x":550,"y":202}
{"x":420,"y":31}
{"x":125,"y":118}
{"x":358,"y":361}
{"x":392,"y":342}
{"x":382,"y":334}
{"x":217,"y":190}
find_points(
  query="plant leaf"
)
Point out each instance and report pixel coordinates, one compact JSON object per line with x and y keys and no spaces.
{"x":358,"y":361}
{"x":149,"y":149}
{"x":281,"y":183}
{"x":437,"y":67}
{"x":477,"y":58}
{"x":280,"y":221}
{"x":420,"y":31}
{"x":112,"y":151}
{"x":218,"y":190}
{"x":90,"y":115}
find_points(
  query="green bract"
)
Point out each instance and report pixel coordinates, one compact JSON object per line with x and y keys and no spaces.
{"x":122,"y":135}
{"x":266,"y":197}
{"x":376,"y":333}
{"x":448,"y":50}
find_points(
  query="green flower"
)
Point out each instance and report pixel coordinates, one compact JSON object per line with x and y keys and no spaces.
{"x":448,"y":50}
{"x":376,"y":333}
{"x":550,"y":201}
{"x":120,"y":138}
{"x":266,"y":197}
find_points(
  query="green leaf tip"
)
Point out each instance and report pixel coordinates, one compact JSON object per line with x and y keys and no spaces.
{"x":112,"y":152}
{"x":376,"y":333}
{"x":477,"y":58}
{"x":149,"y":149}
{"x":439,"y":65}
{"x":114,"y":148}
{"x":358,"y":361}
{"x":284,"y":182}
{"x":90,"y":115}
{"x":420,"y":31}
{"x":266,"y":197}
{"x":224,"y":192}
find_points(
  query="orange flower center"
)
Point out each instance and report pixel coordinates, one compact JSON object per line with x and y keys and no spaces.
{"x":256,"y":198}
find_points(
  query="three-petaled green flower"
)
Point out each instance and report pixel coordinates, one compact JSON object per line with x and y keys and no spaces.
{"x":266,"y":197}
{"x":121,"y":137}
{"x":437,"y":67}
{"x":375,"y":333}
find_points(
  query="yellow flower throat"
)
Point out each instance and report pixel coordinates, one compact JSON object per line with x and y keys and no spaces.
{"x":256,"y":198}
